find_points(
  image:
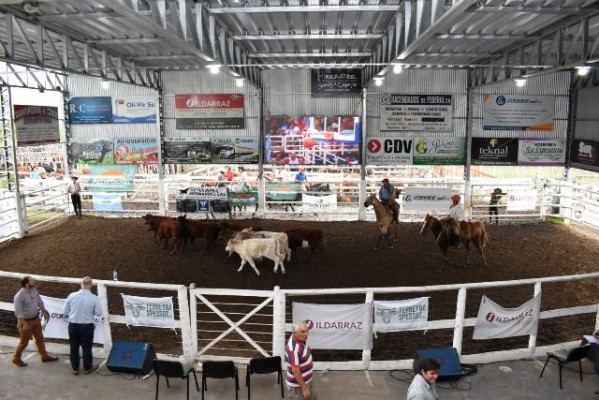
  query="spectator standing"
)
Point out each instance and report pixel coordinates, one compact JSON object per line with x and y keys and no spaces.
{"x":229,"y":173}
{"x":28,"y":304}
{"x":423,"y":385}
{"x":74,"y":189}
{"x":493,"y":209}
{"x":385,"y":192}
{"x":298,"y":357}
{"x":293,"y":159}
{"x":82,"y":307}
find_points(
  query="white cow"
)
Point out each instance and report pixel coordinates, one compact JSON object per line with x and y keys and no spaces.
{"x":281,"y":237}
{"x":252,"y":249}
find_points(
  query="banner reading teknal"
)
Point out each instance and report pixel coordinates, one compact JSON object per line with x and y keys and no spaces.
{"x":336,"y":326}
{"x":149,"y":311}
{"x":209,"y":111}
{"x":494,"y":321}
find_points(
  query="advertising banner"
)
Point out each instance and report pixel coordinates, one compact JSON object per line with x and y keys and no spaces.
{"x":134,"y":110}
{"x":518,"y":113}
{"x":90,"y":110}
{"x":400,"y":112}
{"x":585,"y":152}
{"x":539,"y":152}
{"x":231,"y":150}
{"x":282,"y":191}
{"x":494,"y":151}
{"x":389,"y":151}
{"x":8,"y":216}
{"x":319,"y":203}
{"x":336,"y":83}
{"x":94,"y":151}
{"x":209,"y":111}
{"x":439,"y":151}
{"x":320,"y":140}
{"x":186,"y":152}
{"x":590,"y":214}
{"x":494,"y":321}
{"x":149,"y":311}
{"x":111,"y":178}
{"x":135,"y":150}
{"x":242,"y":198}
{"x":36,"y":125}
{"x":58,"y":325}
{"x":107,"y":202}
{"x":521,"y":200}
{"x":426,"y":199}
{"x":401,"y":315}
{"x":200,"y":199}
{"x":337,"y":326}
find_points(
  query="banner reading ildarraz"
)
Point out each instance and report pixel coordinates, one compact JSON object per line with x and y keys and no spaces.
{"x":58,"y":325}
{"x":401,"y":315}
{"x":426,"y":199}
{"x":337,"y":326}
{"x":319,"y":203}
{"x":521,"y":200}
{"x":494,"y":321}
{"x":149,"y":311}
{"x":416,"y":112}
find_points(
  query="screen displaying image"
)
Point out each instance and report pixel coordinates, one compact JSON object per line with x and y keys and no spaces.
{"x":313,"y":140}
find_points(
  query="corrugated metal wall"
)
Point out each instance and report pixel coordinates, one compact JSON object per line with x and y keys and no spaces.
{"x":421,"y":81}
{"x":557,"y":85}
{"x":289,"y":92}
{"x":84,"y":86}
{"x":188,"y":82}
{"x":587,"y":117}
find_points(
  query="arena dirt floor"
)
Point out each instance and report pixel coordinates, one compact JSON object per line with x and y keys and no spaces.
{"x":96,"y":246}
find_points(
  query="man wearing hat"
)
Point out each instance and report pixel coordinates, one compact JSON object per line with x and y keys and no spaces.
{"x":493,"y":209}
{"x":74,"y":189}
{"x":456,"y":214}
{"x":385,"y":193}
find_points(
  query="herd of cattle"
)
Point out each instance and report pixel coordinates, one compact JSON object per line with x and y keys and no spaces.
{"x":250,"y":243}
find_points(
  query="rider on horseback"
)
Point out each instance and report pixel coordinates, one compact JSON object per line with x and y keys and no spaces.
{"x":452,"y":223}
{"x":385,"y":193}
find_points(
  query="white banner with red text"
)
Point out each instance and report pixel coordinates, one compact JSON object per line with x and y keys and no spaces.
{"x":494,"y":321}
{"x":58,"y":325}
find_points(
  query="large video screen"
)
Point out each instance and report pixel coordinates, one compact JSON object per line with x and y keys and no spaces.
{"x":312,"y":140}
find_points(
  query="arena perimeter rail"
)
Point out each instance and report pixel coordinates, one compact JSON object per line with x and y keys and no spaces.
{"x":280,"y":327}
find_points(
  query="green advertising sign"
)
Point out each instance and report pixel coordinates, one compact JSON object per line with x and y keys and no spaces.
{"x":111,"y":178}
{"x":439,"y":151}
{"x":281,"y":191}
{"x":242,"y":198}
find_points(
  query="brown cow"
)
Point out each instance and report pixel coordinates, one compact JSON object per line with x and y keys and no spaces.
{"x":188,"y":229}
{"x":312,"y":236}
{"x":153,"y":222}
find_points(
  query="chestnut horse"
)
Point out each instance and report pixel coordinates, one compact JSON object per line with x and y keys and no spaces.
{"x":384,"y":217}
{"x":470,"y":231}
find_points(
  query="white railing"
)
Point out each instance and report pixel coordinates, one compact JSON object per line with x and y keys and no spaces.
{"x":281,"y":325}
{"x":182,"y":323}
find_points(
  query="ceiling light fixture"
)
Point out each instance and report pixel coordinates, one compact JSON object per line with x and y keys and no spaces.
{"x":583,"y":71}
{"x":214,"y":68}
{"x":379,"y":80}
{"x":31,"y":8}
{"x":520,"y":82}
{"x":105,"y":84}
{"x":397,"y":68}
{"x":239,"y":82}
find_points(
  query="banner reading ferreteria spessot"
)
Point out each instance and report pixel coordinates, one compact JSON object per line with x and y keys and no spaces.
{"x":400,"y":315}
{"x":58,"y":325}
{"x":403,"y":112}
{"x":494,"y":321}
{"x":209,"y":111}
{"x":111,"y":178}
{"x":518,"y":112}
{"x":36,"y":124}
{"x":337,"y":326}
{"x":425,"y":199}
{"x":149,"y":311}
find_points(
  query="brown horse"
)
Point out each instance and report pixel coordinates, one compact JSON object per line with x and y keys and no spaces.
{"x":470,"y":231}
{"x":384,"y":217}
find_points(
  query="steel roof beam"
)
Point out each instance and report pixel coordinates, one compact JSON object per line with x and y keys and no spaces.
{"x":534,"y":10}
{"x":447,"y":36}
{"x":332,"y":36}
{"x":125,"y":41}
{"x":304,"y":55}
{"x":302,"y":9}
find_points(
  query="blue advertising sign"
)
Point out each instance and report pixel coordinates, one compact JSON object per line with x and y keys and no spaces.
{"x":90,"y":110}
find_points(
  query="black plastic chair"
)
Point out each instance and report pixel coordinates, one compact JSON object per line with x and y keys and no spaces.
{"x":219,"y":370}
{"x":173,"y":369}
{"x":565,"y":356}
{"x":264,"y":365}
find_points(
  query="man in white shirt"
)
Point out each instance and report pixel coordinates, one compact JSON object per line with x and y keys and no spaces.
{"x":456,"y":214}
{"x":74,"y":189}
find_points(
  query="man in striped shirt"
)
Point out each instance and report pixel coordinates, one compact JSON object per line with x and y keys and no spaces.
{"x":298,"y":357}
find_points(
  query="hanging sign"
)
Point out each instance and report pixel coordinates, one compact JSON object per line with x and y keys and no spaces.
{"x":36,"y":125}
{"x":209,"y":111}
{"x":401,"y":112}
{"x":336,"y":83}
{"x":518,"y":113}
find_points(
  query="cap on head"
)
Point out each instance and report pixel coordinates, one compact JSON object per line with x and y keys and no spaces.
{"x":74,"y":177}
{"x":456,"y":198}
{"x":497,"y":190}
{"x":386,"y":180}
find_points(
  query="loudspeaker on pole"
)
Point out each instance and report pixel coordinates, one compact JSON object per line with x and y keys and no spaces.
{"x":131,"y":357}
